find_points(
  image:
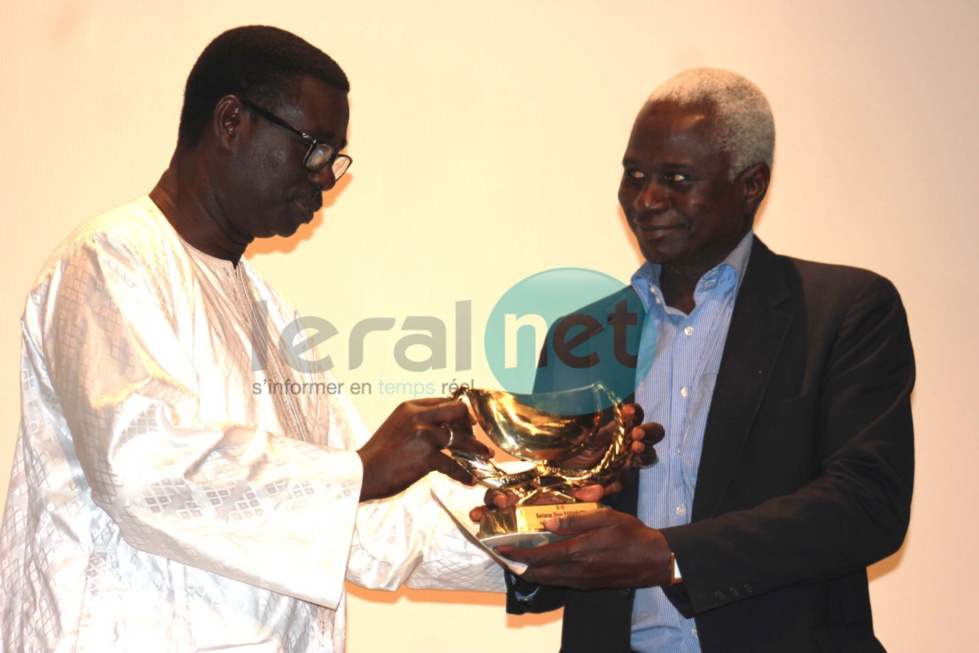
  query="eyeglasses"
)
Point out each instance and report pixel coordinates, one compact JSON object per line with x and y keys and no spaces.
{"x":319,"y":155}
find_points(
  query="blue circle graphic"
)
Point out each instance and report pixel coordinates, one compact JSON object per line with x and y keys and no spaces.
{"x":518,"y":323}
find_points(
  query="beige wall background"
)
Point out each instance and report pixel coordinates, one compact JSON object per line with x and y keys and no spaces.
{"x":487,"y":138}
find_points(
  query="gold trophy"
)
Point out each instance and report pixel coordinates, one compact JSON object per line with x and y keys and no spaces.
{"x":543,"y":430}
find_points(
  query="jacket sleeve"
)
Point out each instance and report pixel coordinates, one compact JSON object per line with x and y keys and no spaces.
{"x":854,"y":508}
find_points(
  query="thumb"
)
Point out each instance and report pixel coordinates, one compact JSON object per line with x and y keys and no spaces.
{"x":576,"y":524}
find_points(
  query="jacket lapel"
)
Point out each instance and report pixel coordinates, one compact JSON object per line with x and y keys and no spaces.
{"x":753,"y":344}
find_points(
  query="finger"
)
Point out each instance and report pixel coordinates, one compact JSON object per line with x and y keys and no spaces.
{"x":446,"y":465}
{"x":646,"y":457}
{"x":644,"y":437}
{"x":499,"y":498}
{"x":514,"y":553}
{"x":444,"y":436}
{"x":492,"y":499}
{"x":651,"y":432}
{"x":458,"y":429}
{"x":628,"y":415}
{"x":468,"y":443}
{"x":428,"y":401}
{"x":447,"y":437}
{"x":641,"y":456}
{"x":462,"y":425}
{"x":578,"y":523}
{"x":538,"y":557}
{"x":637,"y":413}
{"x":590,"y":493}
{"x":444,"y":412}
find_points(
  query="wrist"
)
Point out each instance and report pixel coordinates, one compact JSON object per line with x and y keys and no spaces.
{"x":367,"y":489}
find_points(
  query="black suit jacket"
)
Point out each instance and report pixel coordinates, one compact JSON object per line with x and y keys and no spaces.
{"x":806,"y":472}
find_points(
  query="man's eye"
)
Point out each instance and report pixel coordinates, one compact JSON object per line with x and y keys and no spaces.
{"x":634,"y":174}
{"x":676,"y":178}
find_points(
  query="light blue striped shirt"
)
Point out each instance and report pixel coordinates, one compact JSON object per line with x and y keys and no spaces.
{"x":677,"y":392}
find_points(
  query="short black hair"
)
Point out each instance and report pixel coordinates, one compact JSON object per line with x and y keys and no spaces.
{"x":258,"y":63}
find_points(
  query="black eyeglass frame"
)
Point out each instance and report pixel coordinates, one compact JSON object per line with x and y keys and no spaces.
{"x":338,"y":162}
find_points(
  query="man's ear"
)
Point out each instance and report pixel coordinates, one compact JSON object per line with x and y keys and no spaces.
{"x":755,"y":183}
{"x":228,"y":121}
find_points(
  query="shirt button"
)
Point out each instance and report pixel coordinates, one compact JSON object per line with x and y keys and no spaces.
{"x":684,"y":392}
{"x":657,"y":300}
{"x":688,"y":331}
{"x":681,"y":510}
{"x":693,"y":631}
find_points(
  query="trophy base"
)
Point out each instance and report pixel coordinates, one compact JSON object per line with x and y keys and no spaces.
{"x":521,"y":540}
{"x":523,"y":526}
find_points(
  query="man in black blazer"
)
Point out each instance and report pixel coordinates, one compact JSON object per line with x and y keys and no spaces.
{"x":803,"y":455}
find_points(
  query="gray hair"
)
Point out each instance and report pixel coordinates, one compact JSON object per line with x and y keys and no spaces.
{"x":745,"y":128}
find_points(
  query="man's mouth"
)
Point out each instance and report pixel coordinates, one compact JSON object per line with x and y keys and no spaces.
{"x":651,"y":228}
{"x":310,"y":203}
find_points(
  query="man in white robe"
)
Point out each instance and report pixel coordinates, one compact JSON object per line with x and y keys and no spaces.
{"x":166,"y":494}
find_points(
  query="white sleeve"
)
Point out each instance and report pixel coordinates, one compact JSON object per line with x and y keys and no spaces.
{"x":410,"y":539}
{"x":232,"y":499}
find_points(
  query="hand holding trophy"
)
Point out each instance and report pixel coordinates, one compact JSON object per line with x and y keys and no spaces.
{"x":553,"y":433}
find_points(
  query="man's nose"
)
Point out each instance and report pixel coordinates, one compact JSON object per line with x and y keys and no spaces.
{"x":653,"y":196}
{"x":324,"y":178}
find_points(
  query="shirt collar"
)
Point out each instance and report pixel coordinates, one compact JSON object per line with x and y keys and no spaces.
{"x":728,"y":273}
